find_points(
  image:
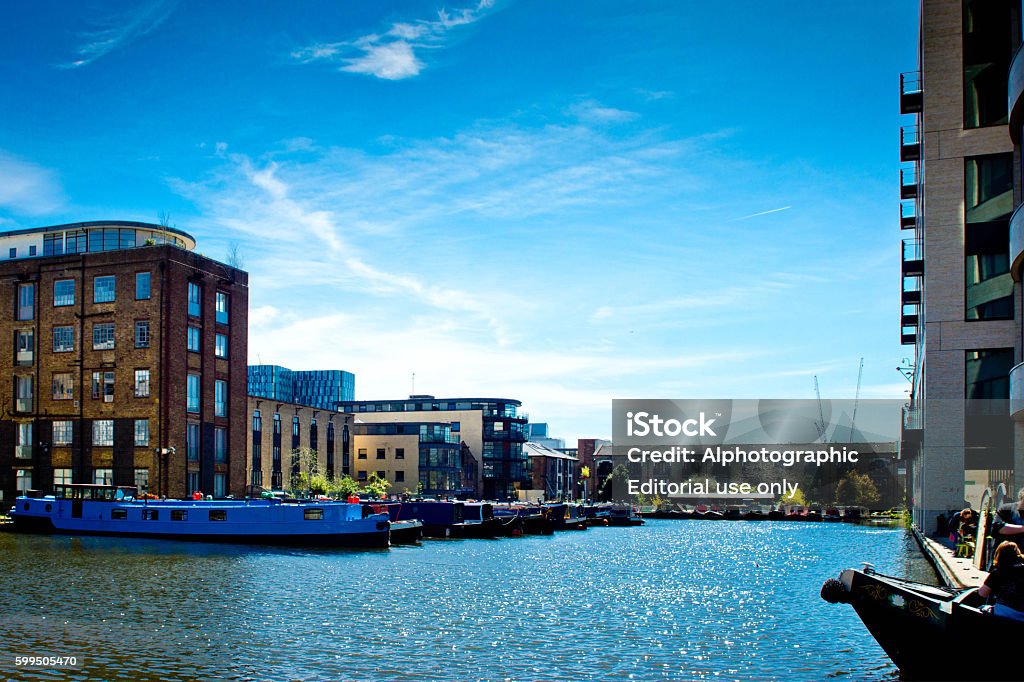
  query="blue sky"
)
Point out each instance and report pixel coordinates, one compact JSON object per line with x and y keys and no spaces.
{"x":560,"y":202}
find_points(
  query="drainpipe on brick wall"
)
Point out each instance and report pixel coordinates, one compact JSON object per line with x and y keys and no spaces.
{"x":78,"y":471}
{"x":162,"y":446}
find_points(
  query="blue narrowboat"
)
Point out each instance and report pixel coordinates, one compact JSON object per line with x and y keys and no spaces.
{"x":83,"y":509}
{"x":440,"y":518}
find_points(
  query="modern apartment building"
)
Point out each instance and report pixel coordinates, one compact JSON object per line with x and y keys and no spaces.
{"x":322,"y":388}
{"x":127,"y":357}
{"x":415,"y":457}
{"x":960,"y":181}
{"x":491,"y":429}
{"x":278,"y":431}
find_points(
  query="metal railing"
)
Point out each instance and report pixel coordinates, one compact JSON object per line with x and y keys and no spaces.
{"x":908,"y":175}
{"x":910,"y":83}
{"x":912,"y":249}
{"x":910,"y":135}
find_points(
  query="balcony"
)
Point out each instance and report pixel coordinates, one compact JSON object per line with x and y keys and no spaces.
{"x":908,"y":181}
{"x":1017,"y":242}
{"x":910,"y":143}
{"x":1016,"y":90}
{"x":912,"y":258}
{"x":911,"y":296}
{"x":909,"y":319}
{"x":908,"y":215}
{"x":1017,"y":392}
{"x":911,"y":432}
{"x":911,"y":94}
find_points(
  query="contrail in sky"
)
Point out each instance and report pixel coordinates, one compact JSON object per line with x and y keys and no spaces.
{"x":754,"y":215}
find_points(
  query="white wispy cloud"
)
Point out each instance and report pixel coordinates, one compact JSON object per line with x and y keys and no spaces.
{"x":591,"y":111}
{"x":119,"y":30}
{"x":311,"y":246}
{"x":392,"y":55}
{"x":28,"y":188}
{"x":475,"y":261}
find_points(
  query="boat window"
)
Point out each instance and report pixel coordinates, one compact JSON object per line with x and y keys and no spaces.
{"x":313,"y":514}
{"x":119,"y":513}
{"x":218,"y":515}
{"x":150,"y":514}
{"x":179,"y":515}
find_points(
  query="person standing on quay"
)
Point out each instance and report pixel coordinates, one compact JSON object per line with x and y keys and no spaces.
{"x":1008,"y":523}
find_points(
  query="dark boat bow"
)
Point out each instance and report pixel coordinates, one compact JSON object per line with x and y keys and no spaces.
{"x":928,"y":631}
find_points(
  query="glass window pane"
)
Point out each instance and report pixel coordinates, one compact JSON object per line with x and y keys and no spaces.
{"x":64,"y":292}
{"x":104,"y":289}
{"x":142,"y":286}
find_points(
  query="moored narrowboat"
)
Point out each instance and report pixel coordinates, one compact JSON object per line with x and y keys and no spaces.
{"x":86,"y":509}
{"x":923,"y":628}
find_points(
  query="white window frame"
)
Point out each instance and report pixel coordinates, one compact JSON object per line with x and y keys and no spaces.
{"x":142,"y":386}
{"x":97,"y":289}
{"x":63,"y":433}
{"x":141,"y":432}
{"x":103,"y":432}
{"x":101,"y":339}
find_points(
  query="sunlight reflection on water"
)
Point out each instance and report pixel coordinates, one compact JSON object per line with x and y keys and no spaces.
{"x":671,"y":600}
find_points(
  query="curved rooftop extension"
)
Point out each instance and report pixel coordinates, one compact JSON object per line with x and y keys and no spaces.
{"x":89,"y":237}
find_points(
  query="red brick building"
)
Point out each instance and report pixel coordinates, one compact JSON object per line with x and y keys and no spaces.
{"x":127,"y":353}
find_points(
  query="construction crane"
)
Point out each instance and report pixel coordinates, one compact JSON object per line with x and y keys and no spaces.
{"x":856,"y":399}
{"x":820,"y":424}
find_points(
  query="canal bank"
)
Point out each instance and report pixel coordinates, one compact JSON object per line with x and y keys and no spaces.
{"x":952,"y":570}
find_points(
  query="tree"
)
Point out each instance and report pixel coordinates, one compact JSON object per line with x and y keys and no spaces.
{"x":376,"y":486}
{"x":305,"y":466}
{"x":234,"y":256}
{"x":345,"y":486}
{"x":616,"y":486}
{"x":795,"y":498}
{"x":857,"y":489}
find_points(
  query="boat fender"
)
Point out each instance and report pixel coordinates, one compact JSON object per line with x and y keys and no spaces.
{"x":834,"y":592}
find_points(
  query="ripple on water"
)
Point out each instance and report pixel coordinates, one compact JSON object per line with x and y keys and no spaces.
{"x":671,"y":600}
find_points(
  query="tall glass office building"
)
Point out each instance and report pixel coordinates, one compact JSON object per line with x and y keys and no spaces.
{"x":322,"y":388}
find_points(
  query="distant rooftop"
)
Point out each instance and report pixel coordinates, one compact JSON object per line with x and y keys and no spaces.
{"x":89,"y":237}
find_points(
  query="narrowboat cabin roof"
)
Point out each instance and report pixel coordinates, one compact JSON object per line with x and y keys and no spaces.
{"x":94,"y":491}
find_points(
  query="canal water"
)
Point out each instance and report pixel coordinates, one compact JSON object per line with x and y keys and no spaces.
{"x":671,"y":600}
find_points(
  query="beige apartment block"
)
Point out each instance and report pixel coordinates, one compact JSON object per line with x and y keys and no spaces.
{"x":394,"y":458}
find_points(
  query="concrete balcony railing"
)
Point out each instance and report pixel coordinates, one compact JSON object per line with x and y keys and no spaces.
{"x":1015,"y":90}
{"x":1017,"y":242}
{"x":1017,"y":392}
